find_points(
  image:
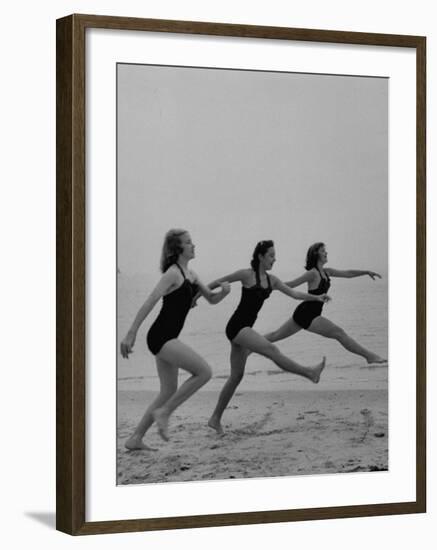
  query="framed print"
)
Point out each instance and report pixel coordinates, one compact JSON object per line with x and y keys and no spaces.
{"x":240,"y":274}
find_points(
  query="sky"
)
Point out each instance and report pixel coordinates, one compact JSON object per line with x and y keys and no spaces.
{"x":238,"y":156}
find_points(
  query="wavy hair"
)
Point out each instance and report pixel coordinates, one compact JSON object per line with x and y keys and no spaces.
{"x":313,"y":255}
{"x":172,"y":248}
{"x":260,"y":248}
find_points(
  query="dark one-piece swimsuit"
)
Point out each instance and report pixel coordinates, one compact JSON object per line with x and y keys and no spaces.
{"x":171,"y":318}
{"x":307,"y":311}
{"x":251,"y":302}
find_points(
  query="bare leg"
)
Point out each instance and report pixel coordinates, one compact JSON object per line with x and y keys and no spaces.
{"x":250,"y":339}
{"x":168,"y":376}
{"x":238,"y":363}
{"x":325,"y":327}
{"x":177,"y":353}
{"x":289,"y":328}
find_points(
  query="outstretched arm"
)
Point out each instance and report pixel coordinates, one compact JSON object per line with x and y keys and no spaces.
{"x":231,"y":278}
{"x":168,"y":280}
{"x":351,"y":273}
{"x":305,"y":278}
{"x":209,"y":295}
{"x":277,"y":284}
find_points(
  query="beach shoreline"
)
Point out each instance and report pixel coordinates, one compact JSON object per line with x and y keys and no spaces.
{"x":267,"y":434}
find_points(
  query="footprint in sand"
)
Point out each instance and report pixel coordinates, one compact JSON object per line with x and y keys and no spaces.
{"x":369,"y":421}
{"x":254,"y":428}
{"x":368,"y":416}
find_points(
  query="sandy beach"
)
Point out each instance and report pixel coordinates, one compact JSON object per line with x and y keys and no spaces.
{"x":267,"y":434}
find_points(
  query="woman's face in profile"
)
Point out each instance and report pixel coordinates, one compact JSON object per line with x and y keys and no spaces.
{"x":187,"y":246}
{"x":323,"y":254}
{"x":268,"y":259}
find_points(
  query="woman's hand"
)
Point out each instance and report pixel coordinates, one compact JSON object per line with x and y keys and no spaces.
{"x":226,"y":288}
{"x":374,"y":275}
{"x":127,"y":344}
{"x":324,"y":298}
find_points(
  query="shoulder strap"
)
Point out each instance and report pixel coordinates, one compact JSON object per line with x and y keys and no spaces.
{"x":181,"y":270}
{"x":268,"y":281}
{"x":257,"y":280}
{"x":320,"y":273}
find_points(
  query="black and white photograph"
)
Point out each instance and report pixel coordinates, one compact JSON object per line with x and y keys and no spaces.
{"x":219,"y":258}
{"x":252,"y":274}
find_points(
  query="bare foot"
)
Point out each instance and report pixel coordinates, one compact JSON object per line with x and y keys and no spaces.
{"x":136,"y":444}
{"x":375,"y":359}
{"x":317,"y":371}
{"x":216,"y":425}
{"x":161,"y":420}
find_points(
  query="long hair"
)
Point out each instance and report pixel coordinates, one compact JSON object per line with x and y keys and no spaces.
{"x":171,"y":248}
{"x":260,"y":248}
{"x":313,"y":255}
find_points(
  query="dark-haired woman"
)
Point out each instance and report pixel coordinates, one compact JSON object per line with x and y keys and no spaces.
{"x":257,"y":286}
{"x":308,"y":315}
{"x":177,"y":287}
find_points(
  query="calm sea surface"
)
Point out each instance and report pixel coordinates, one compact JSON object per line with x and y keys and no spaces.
{"x":359,"y":306}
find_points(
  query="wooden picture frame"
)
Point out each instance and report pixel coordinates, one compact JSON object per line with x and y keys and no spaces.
{"x":71,"y":275}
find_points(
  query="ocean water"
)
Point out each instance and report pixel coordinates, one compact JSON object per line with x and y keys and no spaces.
{"x":359,"y":306}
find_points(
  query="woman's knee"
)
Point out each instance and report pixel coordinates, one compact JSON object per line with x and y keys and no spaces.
{"x":205,"y":373}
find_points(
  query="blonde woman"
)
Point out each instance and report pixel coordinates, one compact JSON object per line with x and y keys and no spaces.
{"x":177,"y":288}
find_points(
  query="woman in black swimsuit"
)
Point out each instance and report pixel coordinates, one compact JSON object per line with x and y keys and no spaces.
{"x":257,"y":286}
{"x":308,"y":315}
{"x":177,"y":287}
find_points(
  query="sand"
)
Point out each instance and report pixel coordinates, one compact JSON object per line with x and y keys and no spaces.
{"x":267,"y":434}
